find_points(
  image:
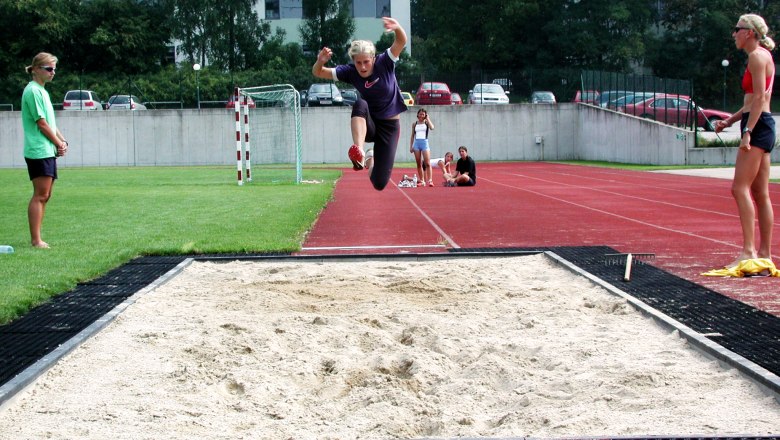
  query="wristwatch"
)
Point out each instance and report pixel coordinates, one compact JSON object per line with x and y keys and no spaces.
{"x":747,"y":130}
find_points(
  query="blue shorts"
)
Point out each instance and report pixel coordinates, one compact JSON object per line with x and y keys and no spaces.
{"x":41,"y":167}
{"x":471,"y":182}
{"x":763,"y":134}
{"x":420,"y":144}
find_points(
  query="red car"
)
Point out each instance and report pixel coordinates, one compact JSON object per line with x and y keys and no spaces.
{"x":674,"y":110}
{"x":434,"y":93}
{"x":587,"y":96}
{"x":456,"y":99}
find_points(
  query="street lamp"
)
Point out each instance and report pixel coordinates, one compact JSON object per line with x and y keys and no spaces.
{"x":725,"y":64}
{"x":196,"y":68}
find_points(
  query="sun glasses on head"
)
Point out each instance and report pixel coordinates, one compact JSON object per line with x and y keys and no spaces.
{"x":49,"y":68}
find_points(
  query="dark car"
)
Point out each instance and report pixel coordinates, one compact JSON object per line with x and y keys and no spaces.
{"x":322,"y":94}
{"x":434,"y":93}
{"x":350,"y":96}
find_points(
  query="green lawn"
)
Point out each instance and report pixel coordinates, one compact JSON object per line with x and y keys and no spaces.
{"x":100,"y":218}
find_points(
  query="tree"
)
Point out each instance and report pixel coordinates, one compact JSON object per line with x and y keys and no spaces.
{"x":327,"y":23}
{"x":696,"y":37}
{"x":224,"y":33}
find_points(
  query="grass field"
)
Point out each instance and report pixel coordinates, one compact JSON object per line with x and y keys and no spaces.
{"x":100,"y":218}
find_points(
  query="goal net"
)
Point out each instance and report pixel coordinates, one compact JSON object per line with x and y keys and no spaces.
{"x":268,"y":137}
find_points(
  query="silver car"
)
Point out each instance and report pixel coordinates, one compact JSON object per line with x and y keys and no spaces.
{"x":124,"y":102}
{"x":81,"y":100}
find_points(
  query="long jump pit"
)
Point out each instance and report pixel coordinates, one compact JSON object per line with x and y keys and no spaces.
{"x":372,"y":348}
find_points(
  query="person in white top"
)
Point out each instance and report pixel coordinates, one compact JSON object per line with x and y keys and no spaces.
{"x":443,"y":163}
{"x":418,"y":145}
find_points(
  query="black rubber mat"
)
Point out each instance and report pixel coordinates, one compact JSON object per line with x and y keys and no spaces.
{"x":46,"y":327}
{"x":747,"y":331}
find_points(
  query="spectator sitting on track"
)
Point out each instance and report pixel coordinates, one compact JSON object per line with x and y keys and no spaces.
{"x":442,"y":163}
{"x":465,"y":170}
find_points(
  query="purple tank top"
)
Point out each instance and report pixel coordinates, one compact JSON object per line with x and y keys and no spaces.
{"x":380,"y":90}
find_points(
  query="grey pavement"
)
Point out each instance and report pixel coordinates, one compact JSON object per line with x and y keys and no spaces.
{"x":725,"y":172}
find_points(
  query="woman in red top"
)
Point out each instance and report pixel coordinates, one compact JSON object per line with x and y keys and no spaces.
{"x":751,"y":173}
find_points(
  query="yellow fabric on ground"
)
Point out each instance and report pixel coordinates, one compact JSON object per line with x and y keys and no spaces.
{"x":747,"y":268}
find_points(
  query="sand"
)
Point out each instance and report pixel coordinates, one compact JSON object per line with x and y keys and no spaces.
{"x":471,"y":347}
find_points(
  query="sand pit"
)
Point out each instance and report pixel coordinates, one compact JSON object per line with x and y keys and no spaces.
{"x":471,"y":347}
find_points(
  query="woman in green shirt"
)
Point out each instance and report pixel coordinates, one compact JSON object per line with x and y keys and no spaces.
{"x":43,"y":142}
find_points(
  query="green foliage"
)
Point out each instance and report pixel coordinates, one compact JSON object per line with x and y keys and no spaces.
{"x":100,"y":218}
{"x":328,"y":24}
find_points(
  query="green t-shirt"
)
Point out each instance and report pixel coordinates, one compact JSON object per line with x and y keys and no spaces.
{"x":36,"y":104}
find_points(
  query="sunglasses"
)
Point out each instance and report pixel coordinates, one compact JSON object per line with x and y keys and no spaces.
{"x":738,"y":28}
{"x":49,"y":68}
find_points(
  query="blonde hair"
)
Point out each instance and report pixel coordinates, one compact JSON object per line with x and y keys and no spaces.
{"x":757,"y":24}
{"x":39,"y":60}
{"x":361,"y":47}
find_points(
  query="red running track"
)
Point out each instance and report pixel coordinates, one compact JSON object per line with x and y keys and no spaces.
{"x":690,"y":223}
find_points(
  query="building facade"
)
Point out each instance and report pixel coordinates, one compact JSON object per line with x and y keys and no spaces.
{"x":288,"y":15}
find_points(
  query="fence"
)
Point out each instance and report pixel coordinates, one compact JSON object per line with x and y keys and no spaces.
{"x":661,"y":99}
{"x":7,"y":107}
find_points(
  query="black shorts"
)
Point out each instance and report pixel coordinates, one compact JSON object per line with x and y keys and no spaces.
{"x":763,"y":134}
{"x":384,"y":133}
{"x":41,"y":167}
{"x":471,"y":182}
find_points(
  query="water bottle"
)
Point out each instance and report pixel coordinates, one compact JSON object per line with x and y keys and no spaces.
{"x":5,"y":249}
{"x":414,"y":180}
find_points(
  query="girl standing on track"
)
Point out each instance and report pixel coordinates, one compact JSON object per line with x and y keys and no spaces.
{"x":376,"y":114}
{"x":751,"y":173}
{"x":419,"y":146}
{"x":43,"y":141}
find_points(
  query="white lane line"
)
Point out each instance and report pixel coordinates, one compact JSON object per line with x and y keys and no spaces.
{"x":627,"y":196}
{"x":612,"y":214}
{"x":435,"y":226}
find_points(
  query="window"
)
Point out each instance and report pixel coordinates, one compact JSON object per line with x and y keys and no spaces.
{"x":272,"y":10}
{"x":292,"y":9}
{"x":382,"y":8}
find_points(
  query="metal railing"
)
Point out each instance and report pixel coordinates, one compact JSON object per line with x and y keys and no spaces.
{"x":7,"y":107}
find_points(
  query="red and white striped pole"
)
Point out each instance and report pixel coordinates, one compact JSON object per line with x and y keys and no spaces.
{"x":238,"y":136}
{"x":247,"y":149}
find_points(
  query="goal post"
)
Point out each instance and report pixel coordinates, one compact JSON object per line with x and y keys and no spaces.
{"x":268,"y":137}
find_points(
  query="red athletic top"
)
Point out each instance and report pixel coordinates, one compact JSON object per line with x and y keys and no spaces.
{"x":747,"y":82}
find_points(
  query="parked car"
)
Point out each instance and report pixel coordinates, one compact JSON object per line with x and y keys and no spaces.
{"x":231,"y":102}
{"x":408,"y":99}
{"x":587,"y":96}
{"x":81,"y":100}
{"x":321,"y":94}
{"x":610,"y":95}
{"x":675,"y":110}
{"x":543,"y":97}
{"x":124,"y":102}
{"x":350,"y":96}
{"x":456,"y":99}
{"x":434,"y":93}
{"x":629,"y":98}
{"x":488,"y":94}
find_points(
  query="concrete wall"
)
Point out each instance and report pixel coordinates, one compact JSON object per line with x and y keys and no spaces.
{"x":207,"y":137}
